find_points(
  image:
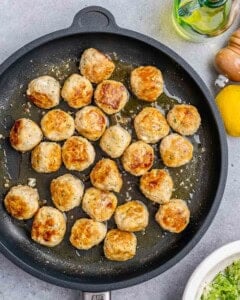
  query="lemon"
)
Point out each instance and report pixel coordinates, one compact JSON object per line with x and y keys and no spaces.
{"x":228,"y":102}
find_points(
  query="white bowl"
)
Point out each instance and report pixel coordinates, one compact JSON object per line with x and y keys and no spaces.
{"x":209,"y":268}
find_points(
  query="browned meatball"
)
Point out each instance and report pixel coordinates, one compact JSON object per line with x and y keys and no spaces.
{"x":173,"y":216}
{"x":22,"y":202}
{"x":66,"y":192}
{"x":87,"y":233}
{"x":138,"y":158}
{"x":176,"y":150}
{"x":91,"y":122}
{"x":111,"y":96}
{"x":57,"y":125}
{"x":120,"y":245}
{"x":115,"y":140}
{"x":49,"y":226}
{"x":147,"y":83}
{"x":157,"y":185}
{"x":46,"y":157}
{"x":95,"y":65}
{"x":77,"y":153}
{"x":77,"y":91}
{"x":44,"y":92}
{"x":184,"y":119}
{"x":132,"y":216}
{"x":99,"y":205}
{"x":150,"y":125}
{"x":25,"y":135}
{"x":106,"y":176}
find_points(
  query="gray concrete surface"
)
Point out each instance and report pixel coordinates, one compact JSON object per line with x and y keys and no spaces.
{"x":25,"y":20}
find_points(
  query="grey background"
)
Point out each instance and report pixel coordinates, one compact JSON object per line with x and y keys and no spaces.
{"x":25,"y":20}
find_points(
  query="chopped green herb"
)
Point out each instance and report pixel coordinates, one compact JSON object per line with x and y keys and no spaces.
{"x":226,"y":285}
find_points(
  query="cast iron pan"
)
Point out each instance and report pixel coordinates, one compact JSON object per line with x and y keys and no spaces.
{"x":201,"y":183}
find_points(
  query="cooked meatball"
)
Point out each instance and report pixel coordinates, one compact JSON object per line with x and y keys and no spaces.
{"x":147,"y":83}
{"x":44,"y":92}
{"x":49,"y":226}
{"x":106,"y":176}
{"x":95,"y":65}
{"x":184,"y":119}
{"x":46,"y":157}
{"x":115,"y":140}
{"x":22,"y":202}
{"x":87,"y":233}
{"x":57,"y":125}
{"x":111,"y":96}
{"x":157,"y":185}
{"x":25,"y":135}
{"x":132,"y":216}
{"x":66,"y":191}
{"x":77,"y":153}
{"x":120,"y":245}
{"x":138,"y":158}
{"x":173,"y":216}
{"x":150,"y":125}
{"x":176,"y":150}
{"x":99,"y":205}
{"x":77,"y":91}
{"x":91,"y":122}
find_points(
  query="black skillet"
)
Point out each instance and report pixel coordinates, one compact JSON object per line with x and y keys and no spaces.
{"x":201,"y":183}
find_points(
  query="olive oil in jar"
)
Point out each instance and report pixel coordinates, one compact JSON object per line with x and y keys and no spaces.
{"x":200,"y":19}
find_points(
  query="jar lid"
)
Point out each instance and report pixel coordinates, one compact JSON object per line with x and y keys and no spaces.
{"x":212,"y":3}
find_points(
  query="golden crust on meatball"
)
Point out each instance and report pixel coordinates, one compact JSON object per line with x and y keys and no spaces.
{"x":21,"y":202}
{"x":115,"y":140}
{"x":44,"y":92}
{"x":147,"y":83}
{"x":91,"y":122}
{"x":138,"y":158}
{"x":57,"y":125}
{"x":173,"y":216}
{"x":49,"y":226}
{"x":132,"y":216}
{"x":66,"y":192}
{"x":184,"y":119}
{"x":150,"y":125}
{"x":95,"y":65}
{"x":157,"y":185}
{"x":87,"y":233}
{"x":77,"y":91}
{"x":25,"y":135}
{"x":111,"y":96}
{"x":77,"y":153}
{"x":120,"y":245}
{"x":99,"y":205}
{"x":46,"y":157}
{"x":176,"y":150}
{"x":106,"y":176}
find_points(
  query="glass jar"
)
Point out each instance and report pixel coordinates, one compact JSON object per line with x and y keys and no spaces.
{"x":198,"y":20}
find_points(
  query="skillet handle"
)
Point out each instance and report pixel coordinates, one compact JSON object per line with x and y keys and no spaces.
{"x":97,"y":296}
{"x":93,"y":18}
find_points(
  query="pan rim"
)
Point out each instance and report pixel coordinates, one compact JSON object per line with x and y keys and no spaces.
{"x":94,"y":287}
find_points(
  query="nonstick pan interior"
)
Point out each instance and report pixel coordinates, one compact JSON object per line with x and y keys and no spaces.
{"x":196,"y":183}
